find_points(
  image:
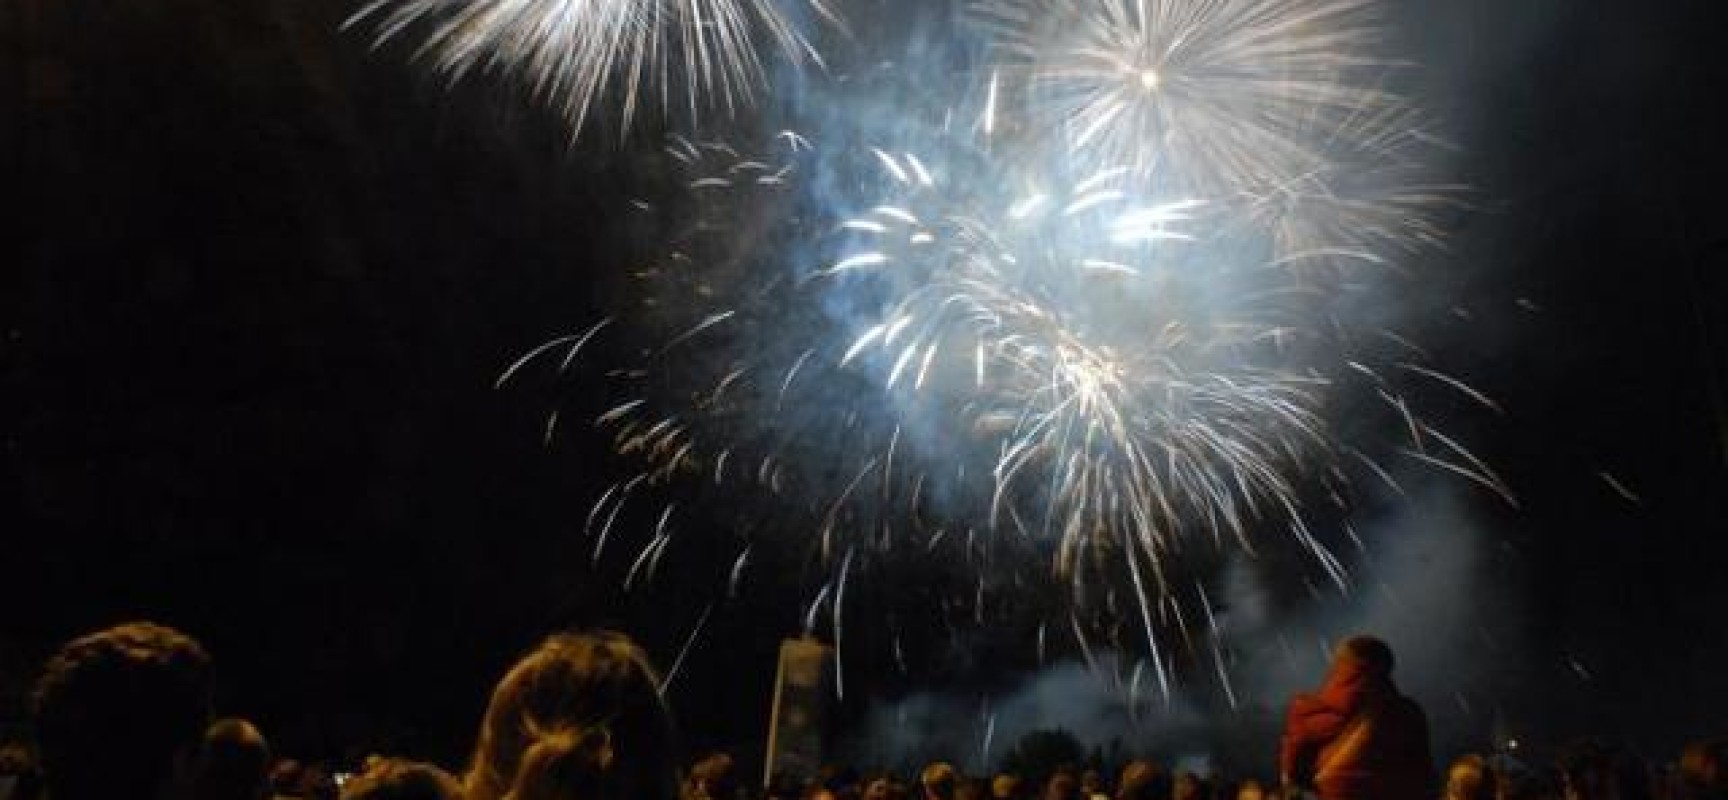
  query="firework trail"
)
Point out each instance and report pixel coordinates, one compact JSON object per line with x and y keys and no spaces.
{"x":699,"y":55}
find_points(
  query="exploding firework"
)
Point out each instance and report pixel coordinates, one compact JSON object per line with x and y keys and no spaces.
{"x":1129,"y":395}
{"x":1123,"y":390}
{"x":1214,"y":97}
{"x":1102,"y":361}
{"x":573,"y":54}
{"x":984,"y":354}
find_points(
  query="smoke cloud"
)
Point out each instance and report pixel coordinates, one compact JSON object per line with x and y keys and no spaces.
{"x":1424,"y":581}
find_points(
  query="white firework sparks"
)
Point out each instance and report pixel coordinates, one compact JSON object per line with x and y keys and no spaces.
{"x":1120,"y":400}
{"x":1217,"y":96}
{"x":697,"y":55}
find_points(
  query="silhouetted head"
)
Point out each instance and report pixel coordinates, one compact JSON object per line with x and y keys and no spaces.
{"x":121,"y":711}
{"x":1142,"y":780}
{"x":400,"y":779}
{"x":836,"y":780}
{"x":877,"y":787}
{"x":233,"y":763}
{"x":1704,"y":766}
{"x":938,"y":780}
{"x":579,"y":718}
{"x":1469,"y":778}
{"x":1186,"y":787}
{"x":1368,"y":653}
{"x":1062,"y":786}
{"x":20,"y":778}
{"x":712,"y":778}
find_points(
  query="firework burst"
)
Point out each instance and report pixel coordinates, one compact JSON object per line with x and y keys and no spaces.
{"x":689,"y":55}
{"x":1129,"y":393}
{"x":1216,"y":97}
{"x":1125,"y":390}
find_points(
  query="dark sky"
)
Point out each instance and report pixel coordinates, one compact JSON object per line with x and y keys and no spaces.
{"x":259,"y":282}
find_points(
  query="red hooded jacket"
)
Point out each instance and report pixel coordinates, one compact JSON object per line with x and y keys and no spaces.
{"x":1358,"y":739}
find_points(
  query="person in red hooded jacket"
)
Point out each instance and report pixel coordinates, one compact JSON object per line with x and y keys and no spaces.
{"x":1358,"y":738}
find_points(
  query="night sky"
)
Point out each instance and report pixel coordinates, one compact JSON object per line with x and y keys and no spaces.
{"x":261,"y":279}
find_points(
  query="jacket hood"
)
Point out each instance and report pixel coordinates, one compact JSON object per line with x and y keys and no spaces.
{"x":1350,"y":683}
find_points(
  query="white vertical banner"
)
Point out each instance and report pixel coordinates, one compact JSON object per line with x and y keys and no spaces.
{"x":800,"y":702}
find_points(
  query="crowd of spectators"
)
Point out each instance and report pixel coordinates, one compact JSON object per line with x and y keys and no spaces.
{"x":126,"y":712}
